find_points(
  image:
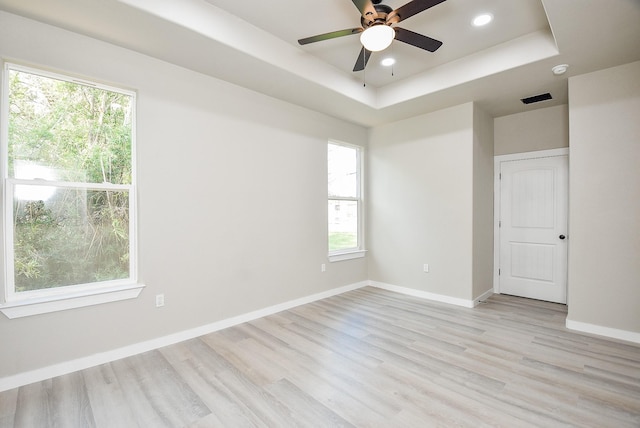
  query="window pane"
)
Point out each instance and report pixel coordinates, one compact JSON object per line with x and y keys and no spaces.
{"x":66,"y":131}
{"x":343,"y":225}
{"x":66,"y":236}
{"x":343,"y":171}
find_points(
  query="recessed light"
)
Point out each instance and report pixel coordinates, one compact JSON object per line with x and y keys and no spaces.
{"x":482,"y":19}
{"x":560,"y":69}
{"x":388,"y":62}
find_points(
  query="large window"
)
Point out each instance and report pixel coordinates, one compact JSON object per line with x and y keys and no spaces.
{"x":345,"y":201}
{"x":69,"y":177}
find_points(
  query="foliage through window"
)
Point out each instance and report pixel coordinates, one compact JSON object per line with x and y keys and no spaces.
{"x":68,"y":183}
{"x":344,"y":213}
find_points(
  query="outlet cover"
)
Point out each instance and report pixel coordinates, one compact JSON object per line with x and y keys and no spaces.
{"x":159,"y":300}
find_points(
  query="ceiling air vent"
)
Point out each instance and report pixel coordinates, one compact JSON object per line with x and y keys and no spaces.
{"x":536,"y":98}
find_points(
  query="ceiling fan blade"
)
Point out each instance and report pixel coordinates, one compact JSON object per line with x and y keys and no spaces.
{"x":362,"y":61}
{"x":410,"y":9}
{"x":366,"y":8}
{"x":417,"y":40}
{"x":331,"y":35}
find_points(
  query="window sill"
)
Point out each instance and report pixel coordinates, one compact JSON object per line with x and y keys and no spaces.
{"x":43,"y":305}
{"x":348,"y":255}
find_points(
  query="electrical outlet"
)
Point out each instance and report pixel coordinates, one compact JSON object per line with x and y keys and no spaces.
{"x":159,"y":300}
{"x":425,"y":268}
{"x":323,"y":267}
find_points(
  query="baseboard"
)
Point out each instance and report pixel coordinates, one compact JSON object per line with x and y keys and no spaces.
{"x":484,"y":296}
{"x":614,"y":333}
{"x":21,"y":379}
{"x":431,"y":296}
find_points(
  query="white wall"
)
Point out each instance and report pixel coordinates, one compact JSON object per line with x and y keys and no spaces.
{"x":422,"y":200}
{"x":483,"y":146}
{"x":232,"y":202}
{"x":604,"y":239}
{"x":540,"y":129}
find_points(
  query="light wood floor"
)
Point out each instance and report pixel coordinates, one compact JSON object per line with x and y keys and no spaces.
{"x":367,"y":358}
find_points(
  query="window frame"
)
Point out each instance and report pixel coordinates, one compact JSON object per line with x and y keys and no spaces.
{"x":25,"y":303}
{"x":358,"y":251}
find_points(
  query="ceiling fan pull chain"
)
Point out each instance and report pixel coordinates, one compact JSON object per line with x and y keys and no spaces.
{"x":393,"y":55}
{"x":364,"y":69}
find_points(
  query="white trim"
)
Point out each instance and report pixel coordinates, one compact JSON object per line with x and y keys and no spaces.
{"x":629,"y":336}
{"x":431,"y":296}
{"x":347,"y":255}
{"x":95,"y":296}
{"x":484,"y":296}
{"x":352,"y":253}
{"x":67,"y":77}
{"x":564,"y":151}
{"x":68,"y":184}
{"x":20,"y":304}
{"x":15,"y":381}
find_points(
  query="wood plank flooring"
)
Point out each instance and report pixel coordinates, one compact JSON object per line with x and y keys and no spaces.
{"x":367,"y":358}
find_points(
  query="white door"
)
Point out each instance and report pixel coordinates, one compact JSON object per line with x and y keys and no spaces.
{"x":533,"y":228}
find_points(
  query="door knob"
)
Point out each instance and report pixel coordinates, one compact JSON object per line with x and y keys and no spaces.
{"x":561,"y":236}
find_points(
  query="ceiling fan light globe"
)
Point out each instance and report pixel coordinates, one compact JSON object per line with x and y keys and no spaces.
{"x":377,"y":37}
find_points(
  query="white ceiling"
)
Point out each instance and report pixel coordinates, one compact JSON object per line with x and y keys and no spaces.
{"x":253,"y":43}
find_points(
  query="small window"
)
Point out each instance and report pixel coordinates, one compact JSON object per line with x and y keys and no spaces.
{"x":345,"y":199}
{"x":69,"y":185}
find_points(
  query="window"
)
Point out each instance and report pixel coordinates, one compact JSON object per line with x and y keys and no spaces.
{"x":345,"y":202}
{"x":69,"y":196}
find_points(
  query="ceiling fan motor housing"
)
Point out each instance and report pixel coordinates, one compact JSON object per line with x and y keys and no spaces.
{"x":383,"y":12}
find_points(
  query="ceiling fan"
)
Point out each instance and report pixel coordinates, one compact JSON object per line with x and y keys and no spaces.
{"x":376,"y":21}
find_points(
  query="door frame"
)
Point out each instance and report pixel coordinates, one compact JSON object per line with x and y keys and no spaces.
{"x":496,"y":203}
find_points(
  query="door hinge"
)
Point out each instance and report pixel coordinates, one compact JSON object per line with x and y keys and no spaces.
{"x":499,"y":223}
{"x":498,"y":272}
{"x":500,"y":176}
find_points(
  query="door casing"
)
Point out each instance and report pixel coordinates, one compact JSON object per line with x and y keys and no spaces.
{"x":496,"y":203}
